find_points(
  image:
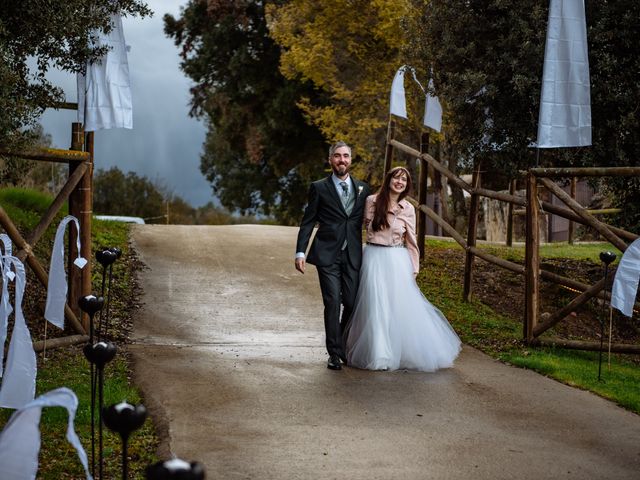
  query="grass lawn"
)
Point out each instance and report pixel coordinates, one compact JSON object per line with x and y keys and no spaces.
{"x":67,"y":366}
{"x":501,"y":337}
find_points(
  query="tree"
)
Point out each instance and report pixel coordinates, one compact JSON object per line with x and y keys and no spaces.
{"x":487,"y":60}
{"x":52,"y":34}
{"x":44,"y":176}
{"x":260,"y":153}
{"x":115,"y":193}
{"x":349,"y":50}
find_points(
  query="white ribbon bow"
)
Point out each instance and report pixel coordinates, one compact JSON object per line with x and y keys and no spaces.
{"x":5,"y":305}
{"x":20,"y":439}
{"x":57,"y":287}
{"x":19,"y":382}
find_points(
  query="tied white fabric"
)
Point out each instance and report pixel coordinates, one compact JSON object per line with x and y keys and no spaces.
{"x":20,"y":439}
{"x":6,"y":244}
{"x":565,"y":103}
{"x":19,"y":382}
{"x":104,"y":95}
{"x":432,"y":110}
{"x":398,"y":104}
{"x":57,"y":287}
{"x":5,"y":305}
{"x":625,"y":284}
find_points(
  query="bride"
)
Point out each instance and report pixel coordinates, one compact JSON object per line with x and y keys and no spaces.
{"x":393,"y":326}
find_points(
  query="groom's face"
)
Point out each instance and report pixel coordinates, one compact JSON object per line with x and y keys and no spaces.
{"x":340,"y":161}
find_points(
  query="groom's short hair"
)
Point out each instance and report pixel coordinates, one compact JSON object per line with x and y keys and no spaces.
{"x":337,"y":145}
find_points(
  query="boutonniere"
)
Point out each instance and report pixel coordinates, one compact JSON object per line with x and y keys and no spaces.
{"x":360,"y":187}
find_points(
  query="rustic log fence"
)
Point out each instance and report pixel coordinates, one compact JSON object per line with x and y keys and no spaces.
{"x":78,"y":192}
{"x":533,"y":208}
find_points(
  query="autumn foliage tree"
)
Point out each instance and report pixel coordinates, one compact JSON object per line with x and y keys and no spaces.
{"x":349,"y":50}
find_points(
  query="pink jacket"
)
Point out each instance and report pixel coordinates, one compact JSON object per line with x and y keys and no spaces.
{"x":402,"y":228}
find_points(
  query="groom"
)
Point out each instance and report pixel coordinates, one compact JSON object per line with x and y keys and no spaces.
{"x":336,"y":204}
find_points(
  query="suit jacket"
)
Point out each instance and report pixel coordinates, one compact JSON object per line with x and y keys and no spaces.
{"x":334,"y":224}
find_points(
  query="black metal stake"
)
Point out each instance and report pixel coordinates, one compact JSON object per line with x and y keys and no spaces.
{"x":106,"y":320}
{"x":99,"y":354}
{"x":90,"y":304}
{"x":607,"y":258}
{"x":100,"y":403}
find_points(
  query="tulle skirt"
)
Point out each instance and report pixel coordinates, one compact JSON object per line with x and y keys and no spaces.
{"x":393,"y":325}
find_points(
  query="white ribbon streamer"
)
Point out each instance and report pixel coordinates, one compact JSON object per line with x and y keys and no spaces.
{"x":20,"y":439}
{"x":19,"y":382}
{"x":398,"y":104}
{"x":5,"y":304}
{"x":104,"y":95}
{"x":565,"y":102}
{"x":432,"y":110}
{"x":57,"y":287}
{"x":625,"y":283}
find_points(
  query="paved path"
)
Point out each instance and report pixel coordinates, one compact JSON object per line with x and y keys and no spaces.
{"x":229,"y":353}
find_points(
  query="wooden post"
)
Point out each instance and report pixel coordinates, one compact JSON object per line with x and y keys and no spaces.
{"x":532,"y":259}
{"x":512,"y":191}
{"x":388,"y":153}
{"x":422,"y":193}
{"x":75,"y":208}
{"x":574,"y":184}
{"x":85,"y":219}
{"x":471,"y":233}
{"x":437,"y":191}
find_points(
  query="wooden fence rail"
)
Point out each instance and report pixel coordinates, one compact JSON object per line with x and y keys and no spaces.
{"x":77,"y":191}
{"x":534,"y":207}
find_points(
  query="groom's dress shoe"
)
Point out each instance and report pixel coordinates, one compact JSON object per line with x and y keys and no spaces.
{"x":334,"y":363}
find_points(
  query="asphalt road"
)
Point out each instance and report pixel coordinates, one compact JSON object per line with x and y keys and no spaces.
{"x":229,"y":352}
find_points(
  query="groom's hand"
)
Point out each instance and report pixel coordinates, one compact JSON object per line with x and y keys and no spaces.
{"x":300,"y":264}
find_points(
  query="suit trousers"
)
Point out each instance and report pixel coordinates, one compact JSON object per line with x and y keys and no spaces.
{"x":339,"y":285}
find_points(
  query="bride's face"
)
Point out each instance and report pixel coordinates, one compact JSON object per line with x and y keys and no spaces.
{"x":398,"y":182}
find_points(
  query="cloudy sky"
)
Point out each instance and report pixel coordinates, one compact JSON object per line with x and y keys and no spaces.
{"x":164,"y":144}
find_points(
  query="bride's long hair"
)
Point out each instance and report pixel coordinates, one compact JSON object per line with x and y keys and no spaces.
{"x":381,"y":208}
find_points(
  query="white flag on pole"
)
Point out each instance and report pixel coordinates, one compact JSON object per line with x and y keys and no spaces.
{"x":398,"y":103}
{"x":432,"y":110}
{"x":565,"y":103}
{"x":104,"y":94}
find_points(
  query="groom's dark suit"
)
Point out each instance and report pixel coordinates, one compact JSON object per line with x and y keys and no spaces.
{"x":338,"y":268}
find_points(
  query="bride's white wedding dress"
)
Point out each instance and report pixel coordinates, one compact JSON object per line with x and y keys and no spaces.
{"x":393,"y":325}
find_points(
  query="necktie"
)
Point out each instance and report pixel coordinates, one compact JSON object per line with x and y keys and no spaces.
{"x":345,"y":192}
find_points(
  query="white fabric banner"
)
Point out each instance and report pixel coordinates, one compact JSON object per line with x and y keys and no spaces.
{"x":104,"y":95}
{"x":20,"y":439}
{"x":6,"y":275}
{"x":57,"y":287}
{"x":398,"y":103}
{"x":625,"y":283}
{"x":565,"y":102}
{"x":19,"y":382}
{"x":432,"y":110}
